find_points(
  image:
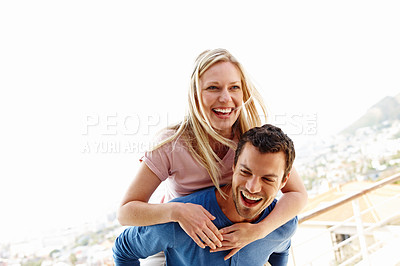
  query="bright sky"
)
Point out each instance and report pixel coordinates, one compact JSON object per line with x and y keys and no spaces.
{"x":123,"y":67}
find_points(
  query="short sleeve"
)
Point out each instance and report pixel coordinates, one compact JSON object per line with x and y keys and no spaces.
{"x":159,"y":160}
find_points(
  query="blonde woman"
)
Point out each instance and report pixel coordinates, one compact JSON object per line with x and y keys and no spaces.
{"x":199,"y":153}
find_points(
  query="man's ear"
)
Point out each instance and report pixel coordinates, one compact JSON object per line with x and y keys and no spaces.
{"x":284,"y":180}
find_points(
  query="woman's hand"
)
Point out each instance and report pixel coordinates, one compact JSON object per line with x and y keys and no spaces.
{"x":196,"y":221}
{"x":237,"y":236}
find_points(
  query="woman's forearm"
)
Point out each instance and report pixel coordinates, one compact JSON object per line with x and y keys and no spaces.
{"x":287,"y":207}
{"x":135,"y":209}
{"x":194,"y":219}
{"x":293,"y":200}
{"x":137,"y":213}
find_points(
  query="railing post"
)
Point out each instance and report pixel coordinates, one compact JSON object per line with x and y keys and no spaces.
{"x":360,"y":231}
{"x":292,"y":252}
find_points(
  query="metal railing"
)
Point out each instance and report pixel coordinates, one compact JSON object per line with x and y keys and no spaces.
{"x":363,"y":248}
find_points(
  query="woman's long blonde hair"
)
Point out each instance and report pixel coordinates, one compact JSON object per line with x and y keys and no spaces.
{"x":196,"y":129}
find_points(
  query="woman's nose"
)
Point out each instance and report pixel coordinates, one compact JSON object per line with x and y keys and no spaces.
{"x":225,"y":96}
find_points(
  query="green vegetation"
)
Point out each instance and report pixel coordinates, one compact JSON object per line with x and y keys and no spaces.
{"x":33,"y":262}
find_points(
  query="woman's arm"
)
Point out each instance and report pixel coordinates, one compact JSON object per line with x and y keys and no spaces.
{"x":293,"y":200}
{"x":134,"y":209}
{"x":194,"y":219}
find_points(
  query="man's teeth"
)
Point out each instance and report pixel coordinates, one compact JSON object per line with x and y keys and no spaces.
{"x":223,"y":110}
{"x":250,"y":197}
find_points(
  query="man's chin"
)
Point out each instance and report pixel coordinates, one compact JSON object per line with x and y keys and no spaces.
{"x":249,"y":216}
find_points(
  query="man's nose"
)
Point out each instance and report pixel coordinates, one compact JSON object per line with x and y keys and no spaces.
{"x":253,"y":185}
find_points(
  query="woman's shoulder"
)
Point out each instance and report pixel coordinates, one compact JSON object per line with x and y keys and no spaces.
{"x":162,"y":139}
{"x":164,"y":134}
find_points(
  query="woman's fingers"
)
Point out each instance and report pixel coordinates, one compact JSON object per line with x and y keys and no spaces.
{"x":230,"y":238}
{"x":206,"y":240}
{"x":207,"y":235}
{"x":210,"y":233}
{"x":214,"y":233}
{"x":196,"y":221}
{"x":233,"y":252}
{"x":228,"y":229}
{"x":197,"y":240}
{"x":225,"y":246}
{"x":209,"y":215}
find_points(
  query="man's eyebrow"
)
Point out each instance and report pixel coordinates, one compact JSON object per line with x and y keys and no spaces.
{"x":270,"y":175}
{"x":266,"y":175}
{"x":244,"y":166}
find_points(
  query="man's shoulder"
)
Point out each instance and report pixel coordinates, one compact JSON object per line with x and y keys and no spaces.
{"x":197,"y":197}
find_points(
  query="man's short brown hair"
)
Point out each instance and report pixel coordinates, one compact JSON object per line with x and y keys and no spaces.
{"x":268,"y":139}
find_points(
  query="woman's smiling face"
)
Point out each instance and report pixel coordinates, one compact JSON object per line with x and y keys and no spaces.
{"x":222,"y":96}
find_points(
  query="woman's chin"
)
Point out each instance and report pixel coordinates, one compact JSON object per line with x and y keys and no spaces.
{"x":225,"y":131}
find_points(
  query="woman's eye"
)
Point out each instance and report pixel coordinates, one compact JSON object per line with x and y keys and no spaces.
{"x":235,"y":88}
{"x":212,"y":88}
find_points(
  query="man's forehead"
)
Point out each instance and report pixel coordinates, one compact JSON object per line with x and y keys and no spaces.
{"x":252,"y":158}
{"x":249,"y":150}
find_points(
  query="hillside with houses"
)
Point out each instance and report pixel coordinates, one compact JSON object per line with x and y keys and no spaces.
{"x":369,"y":149}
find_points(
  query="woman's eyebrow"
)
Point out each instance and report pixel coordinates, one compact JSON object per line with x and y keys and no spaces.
{"x":217,"y":82}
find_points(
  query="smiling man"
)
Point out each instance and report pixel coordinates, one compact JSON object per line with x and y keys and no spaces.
{"x":262,"y":165}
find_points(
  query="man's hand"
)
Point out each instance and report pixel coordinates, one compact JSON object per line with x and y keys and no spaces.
{"x":196,"y":221}
{"x":237,"y":236}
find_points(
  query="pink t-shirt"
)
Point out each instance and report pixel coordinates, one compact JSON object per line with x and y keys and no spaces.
{"x":182,"y":174}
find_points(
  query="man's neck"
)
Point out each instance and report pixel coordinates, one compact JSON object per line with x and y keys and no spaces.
{"x":227,"y":205}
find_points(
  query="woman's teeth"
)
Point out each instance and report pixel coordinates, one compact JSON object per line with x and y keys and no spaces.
{"x":224,"y":111}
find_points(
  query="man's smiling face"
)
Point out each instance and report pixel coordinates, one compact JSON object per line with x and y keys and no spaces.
{"x":257,"y":178}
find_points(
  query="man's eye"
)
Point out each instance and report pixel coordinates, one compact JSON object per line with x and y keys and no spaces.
{"x":267,"y":179}
{"x":245,"y":172}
